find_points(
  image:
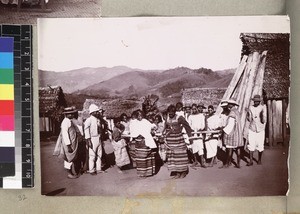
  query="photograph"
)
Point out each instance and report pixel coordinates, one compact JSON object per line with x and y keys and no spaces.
{"x":164,"y":106}
{"x":27,"y":11}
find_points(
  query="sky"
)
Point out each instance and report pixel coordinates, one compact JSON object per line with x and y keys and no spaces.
{"x":148,"y":42}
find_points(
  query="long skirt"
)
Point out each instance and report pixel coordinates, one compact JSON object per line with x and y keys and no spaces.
{"x":145,"y":159}
{"x":131,"y":151}
{"x":121,"y":155}
{"x":177,"y":154}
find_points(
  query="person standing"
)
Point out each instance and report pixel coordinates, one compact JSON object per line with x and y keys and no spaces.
{"x":197,"y":122}
{"x":212,"y":139}
{"x":92,"y":132}
{"x":177,"y":150}
{"x":257,"y":116}
{"x":69,"y":140}
{"x":232,"y":133}
{"x":144,"y":145}
{"x":119,"y":145}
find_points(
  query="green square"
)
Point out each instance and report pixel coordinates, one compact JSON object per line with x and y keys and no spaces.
{"x":6,"y":76}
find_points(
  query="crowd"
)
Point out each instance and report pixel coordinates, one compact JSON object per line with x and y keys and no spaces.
{"x":181,"y":137}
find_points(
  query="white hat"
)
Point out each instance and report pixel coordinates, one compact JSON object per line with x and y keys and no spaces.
{"x":231,"y":101}
{"x":93,"y":108}
{"x":224,"y":103}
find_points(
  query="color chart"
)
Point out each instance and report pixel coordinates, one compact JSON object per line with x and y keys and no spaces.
{"x":7,"y":115}
{"x":16,"y":106}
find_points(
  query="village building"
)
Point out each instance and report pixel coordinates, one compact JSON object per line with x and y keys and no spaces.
{"x":52,"y":103}
{"x":276,"y":82}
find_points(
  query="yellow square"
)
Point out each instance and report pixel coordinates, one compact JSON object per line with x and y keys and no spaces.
{"x":6,"y":92}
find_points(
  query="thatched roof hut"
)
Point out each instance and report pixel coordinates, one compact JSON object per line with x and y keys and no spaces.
{"x":52,"y":102}
{"x":113,"y":108}
{"x":277,"y":72}
{"x":208,"y":96}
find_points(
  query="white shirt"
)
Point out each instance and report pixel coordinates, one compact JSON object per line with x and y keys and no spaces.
{"x":65,"y":125}
{"x":197,"y":121}
{"x":143,"y":128}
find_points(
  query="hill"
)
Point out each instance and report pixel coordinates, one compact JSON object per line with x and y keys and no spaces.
{"x":164,"y":84}
{"x":78,"y":79}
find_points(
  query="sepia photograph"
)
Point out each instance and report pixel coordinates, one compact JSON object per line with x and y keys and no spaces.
{"x":27,"y":11}
{"x":164,"y":106}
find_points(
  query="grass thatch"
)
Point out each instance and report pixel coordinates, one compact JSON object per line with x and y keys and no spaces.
{"x":52,"y":102}
{"x":113,"y":108}
{"x":207,"y":96}
{"x":277,"y":73}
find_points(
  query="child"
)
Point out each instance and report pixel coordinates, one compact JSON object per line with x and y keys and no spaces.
{"x":119,"y":145}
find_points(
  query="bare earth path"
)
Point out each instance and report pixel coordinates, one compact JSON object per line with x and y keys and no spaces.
{"x":267,"y":179}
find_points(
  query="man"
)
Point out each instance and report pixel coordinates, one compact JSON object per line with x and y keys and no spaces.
{"x":197,"y":122}
{"x":257,"y":116}
{"x":232,"y":135}
{"x":213,"y":123}
{"x":92,"y":132}
{"x":70,"y":142}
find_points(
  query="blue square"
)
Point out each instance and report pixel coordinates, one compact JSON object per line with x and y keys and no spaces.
{"x":6,"y":60}
{"x":6,"y":44}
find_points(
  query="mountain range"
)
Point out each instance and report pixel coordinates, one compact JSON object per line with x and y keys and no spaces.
{"x":122,"y":81}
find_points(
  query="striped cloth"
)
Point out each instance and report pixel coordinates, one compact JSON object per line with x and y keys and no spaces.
{"x":145,"y":159}
{"x":177,"y":154}
{"x":235,"y":138}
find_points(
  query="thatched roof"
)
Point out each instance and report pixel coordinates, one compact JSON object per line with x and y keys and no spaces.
{"x":277,"y":73}
{"x":51,"y":101}
{"x":207,"y":96}
{"x":113,"y":108}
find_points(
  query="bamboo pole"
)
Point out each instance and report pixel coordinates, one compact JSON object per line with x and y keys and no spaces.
{"x":234,"y":81}
{"x":258,"y":86}
{"x":246,"y":101}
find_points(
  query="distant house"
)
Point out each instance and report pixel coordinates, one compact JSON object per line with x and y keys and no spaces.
{"x":207,"y":96}
{"x":51,"y":105}
{"x":113,"y":108}
{"x":276,"y":83}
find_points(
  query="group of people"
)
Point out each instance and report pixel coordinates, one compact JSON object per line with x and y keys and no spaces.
{"x":179,"y":137}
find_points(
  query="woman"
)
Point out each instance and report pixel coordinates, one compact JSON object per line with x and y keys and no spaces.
{"x":119,"y":145}
{"x":177,"y":150}
{"x":144,"y":146}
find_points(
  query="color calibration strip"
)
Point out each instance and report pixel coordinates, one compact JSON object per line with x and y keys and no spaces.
{"x":7,"y":113}
{"x":23,"y":121}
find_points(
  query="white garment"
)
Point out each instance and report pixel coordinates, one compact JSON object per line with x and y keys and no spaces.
{"x":143,"y":128}
{"x":254,"y":118}
{"x":256,"y":141}
{"x":65,"y":125}
{"x":95,"y":155}
{"x":230,"y":125}
{"x":197,"y":121}
{"x":91,"y":127}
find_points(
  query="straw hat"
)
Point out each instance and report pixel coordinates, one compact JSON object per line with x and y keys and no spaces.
{"x":224,"y":103}
{"x":70,"y":110}
{"x":256,"y":97}
{"x":231,"y":101}
{"x":93,"y":108}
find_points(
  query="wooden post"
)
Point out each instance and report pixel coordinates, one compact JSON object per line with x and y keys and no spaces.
{"x":19,"y":5}
{"x":284,"y":131}
{"x":270,"y":118}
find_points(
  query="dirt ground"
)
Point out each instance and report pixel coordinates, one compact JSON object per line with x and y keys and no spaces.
{"x":57,"y":9}
{"x":268,"y":179}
